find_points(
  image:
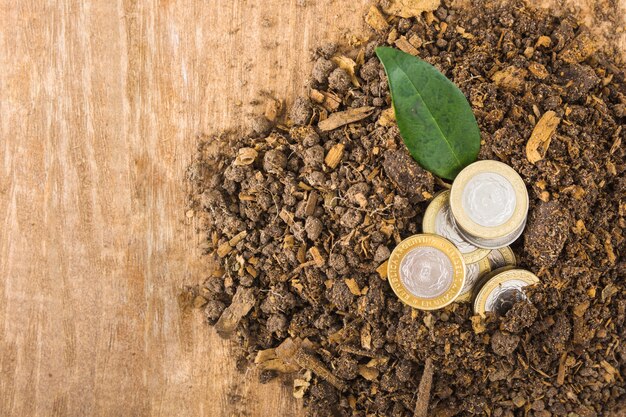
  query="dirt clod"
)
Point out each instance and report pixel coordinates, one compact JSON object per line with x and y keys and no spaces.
{"x":410,"y":179}
{"x":339,"y":81}
{"x":322,"y":69}
{"x":546,"y":233}
{"x":504,"y":344}
{"x":274,"y":162}
{"x":301,"y":111}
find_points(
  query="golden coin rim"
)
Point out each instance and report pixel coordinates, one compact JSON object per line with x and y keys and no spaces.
{"x":489,"y":232}
{"x":508,"y":255}
{"x":437,"y":242}
{"x":429,"y":226}
{"x":518,"y":274}
{"x":484,"y":267}
{"x":481,"y":283}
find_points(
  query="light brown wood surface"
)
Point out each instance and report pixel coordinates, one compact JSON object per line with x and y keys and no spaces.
{"x":100,"y":105}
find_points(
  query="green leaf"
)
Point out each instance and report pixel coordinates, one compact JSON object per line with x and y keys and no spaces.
{"x":435,"y":120}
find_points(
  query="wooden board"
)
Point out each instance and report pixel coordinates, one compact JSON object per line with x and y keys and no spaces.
{"x":100,"y":105}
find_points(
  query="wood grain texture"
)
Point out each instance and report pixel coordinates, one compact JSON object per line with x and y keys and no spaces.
{"x":100,"y":104}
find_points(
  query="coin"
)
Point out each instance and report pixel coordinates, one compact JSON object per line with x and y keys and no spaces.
{"x":493,"y":243}
{"x":438,"y":220}
{"x":489,"y":203}
{"x":426,"y":271}
{"x":473,"y":273}
{"x":503,"y":290}
{"x":501,"y":257}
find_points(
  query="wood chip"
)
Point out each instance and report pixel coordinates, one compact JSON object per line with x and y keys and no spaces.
{"x":300,"y":385}
{"x":265,"y":355}
{"x":357,"y":351}
{"x":560,"y":376}
{"x":291,"y":351}
{"x":362,"y":202}
{"x":273,"y":109}
{"x":539,"y":141}
{"x":243,"y":301}
{"x":253,"y":272}
{"x":610,"y":252}
{"x":246,"y":197}
{"x":416,"y":41}
{"x":387,"y":229}
{"x":311,"y":203}
{"x":382,"y":270}
{"x":237,"y":238}
{"x":387,"y":117}
{"x":579,"y":49}
{"x":511,"y":78}
{"x":575,"y":191}
{"x":371,"y":374}
{"x":410,"y":8}
{"x":245,"y":156}
{"x":544,"y":41}
{"x":304,"y":186}
{"x":331,"y":101}
{"x":607,"y":292}
{"x":610,"y":370}
{"x":423,"y":391}
{"x":316,"y":96}
{"x":286,"y":217}
{"x":360,"y":57}
{"x":618,"y":141}
{"x":334,"y":156}
{"x":353,"y":286}
{"x":478,"y":324}
{"x":224,"y":249}
{"x":342,"y":118}
{"x":580,"y":309}
{"x":405,"y":46}
{"x":538,"y":70}
{"x":349,"y":66}
{"x":317,"y":257}
{"x":376,"y":20}
{"x":528,"y":52}
{"x":366,"y":336}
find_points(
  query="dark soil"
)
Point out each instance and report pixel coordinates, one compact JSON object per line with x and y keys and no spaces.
{"x":315,"y":232}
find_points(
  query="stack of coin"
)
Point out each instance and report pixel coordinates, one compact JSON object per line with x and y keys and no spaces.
{"x":463,"y":252}
{"x":478,"y":261}
{"x":489,"y":204}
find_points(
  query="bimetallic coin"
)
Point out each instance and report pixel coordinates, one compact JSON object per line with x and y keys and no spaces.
{"x":489,"y":203}
{"x":426,"y":271}
{"x":473,"y":273}
{"x":493,"y":243}
{"x":503,"y":290}
{"x":501,"y":257}
{"x":486,"y":277}
{"x":438,"y":220}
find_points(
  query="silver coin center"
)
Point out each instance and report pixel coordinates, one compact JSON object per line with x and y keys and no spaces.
{"x":489,"y":199}
{"x":496,"y":259}
{"x":445,"y":226}
{"x":426,"y":272}
{"x":502,"y":298}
